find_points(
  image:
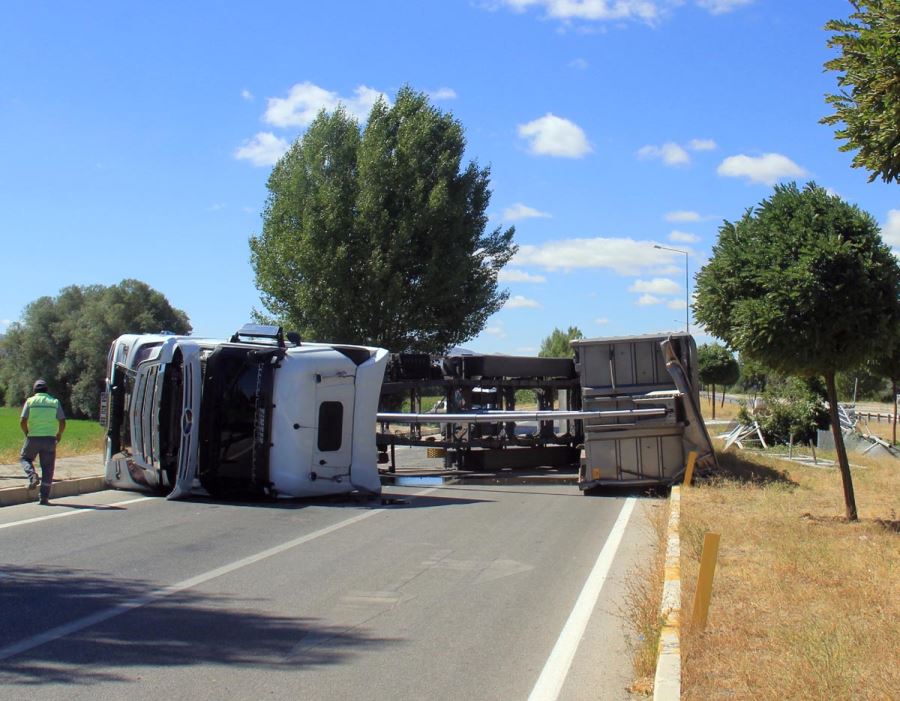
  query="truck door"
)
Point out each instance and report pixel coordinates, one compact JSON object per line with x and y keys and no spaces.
{"x":332,"y":452}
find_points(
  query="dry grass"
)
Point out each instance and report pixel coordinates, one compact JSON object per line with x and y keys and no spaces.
{"x":643,"y":594}
{"x":805,"y":605}
{"x":726,"y":412}
{"x":882,"y":429}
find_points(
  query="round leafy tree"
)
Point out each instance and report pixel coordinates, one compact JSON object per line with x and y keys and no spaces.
{"x":716,"y":366}
{"x":804,"y":284}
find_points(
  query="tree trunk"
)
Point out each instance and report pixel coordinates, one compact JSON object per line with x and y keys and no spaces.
{"x":894,"y":423}
{"x":843,"y":463}
{"x":714,"y":402}
{"x":722,"y":403}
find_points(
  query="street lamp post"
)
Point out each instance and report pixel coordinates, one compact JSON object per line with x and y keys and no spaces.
{"x":687,"y":304}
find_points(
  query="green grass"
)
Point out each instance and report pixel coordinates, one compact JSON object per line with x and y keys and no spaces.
{"x":525,"y":399}
{"x":80,"y":436}
{"x":428,"y":402}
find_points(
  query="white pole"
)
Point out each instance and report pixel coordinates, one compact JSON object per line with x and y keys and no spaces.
{"x":687,"y":291}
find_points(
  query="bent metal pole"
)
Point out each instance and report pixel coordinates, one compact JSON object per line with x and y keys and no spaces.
{"x":490,"y":417}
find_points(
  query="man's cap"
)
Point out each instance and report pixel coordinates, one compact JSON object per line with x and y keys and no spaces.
{"x":40,"y":385}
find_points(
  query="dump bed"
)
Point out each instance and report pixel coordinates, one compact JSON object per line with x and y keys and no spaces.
{"x":640,"y":372}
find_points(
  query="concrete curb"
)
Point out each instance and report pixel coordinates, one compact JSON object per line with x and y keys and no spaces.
{"x":667,"y":684}
{"x":63,"y":488}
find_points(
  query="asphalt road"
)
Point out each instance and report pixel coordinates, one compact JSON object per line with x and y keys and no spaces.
{"x":448,"y":592}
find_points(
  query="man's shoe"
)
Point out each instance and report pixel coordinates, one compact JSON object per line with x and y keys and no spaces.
{"x":44,"y":501}
{"x":34,"y":481}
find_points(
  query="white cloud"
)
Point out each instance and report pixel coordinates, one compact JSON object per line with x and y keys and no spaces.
{"x":590,"y":10}
{"x":702,"y":145}
{"x":720,"y":7}
{"x":656,"y":286}
{"x":649,"y":11}
{"x":521,"y":211}
{"x":669,"y":270}
{"x":264,"y":149}
{"x":683,"y":237}
{"x":624,"y":256}
{"x":305,"y":100}
{"x":579,"y":64}
{"x":217,"y":207}
{"x":890,"y":230}
{"x":676,"y":304}
{"x":647,"y":300}
{"x":247,"y":95}
{"x":682,"y":216}
{"x":670,"y":153}
{"x":520,"y":302}
{"x":530,"y":350}
{"x":443,"y":94}
{"x":496,"y":330}
{"x":513,"y":275}
{"x":767,"y":169}
{"x":555,"y":136}
{"x":602,"y":321}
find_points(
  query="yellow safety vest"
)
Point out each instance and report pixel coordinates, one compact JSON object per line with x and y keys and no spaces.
{"x":42,"y":419}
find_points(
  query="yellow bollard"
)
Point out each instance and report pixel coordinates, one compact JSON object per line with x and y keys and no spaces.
{"x":689,"y":470}
{"x":705,"y":579}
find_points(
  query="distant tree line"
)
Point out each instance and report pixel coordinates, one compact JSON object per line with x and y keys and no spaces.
{"x":65,"y":340}
{"x":556,"y":345}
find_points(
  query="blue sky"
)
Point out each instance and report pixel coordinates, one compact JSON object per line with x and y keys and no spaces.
{"x":136,"y":140}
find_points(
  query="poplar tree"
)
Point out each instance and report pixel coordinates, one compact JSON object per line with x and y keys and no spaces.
{"x":556,"y":345}
{"x":379,"y":237}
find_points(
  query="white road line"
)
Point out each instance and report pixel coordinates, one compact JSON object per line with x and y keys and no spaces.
{"x":550,"y":683}
{"x":118,"y":609}
{"x":74,"y":512}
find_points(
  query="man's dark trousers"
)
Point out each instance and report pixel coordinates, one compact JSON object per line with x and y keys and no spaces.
{"x":45,"y":448}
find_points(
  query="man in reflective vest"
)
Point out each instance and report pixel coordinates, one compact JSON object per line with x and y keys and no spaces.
{"x":43,"y":423}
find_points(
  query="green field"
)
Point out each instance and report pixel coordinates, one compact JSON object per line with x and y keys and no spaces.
{"x":80,"y":436}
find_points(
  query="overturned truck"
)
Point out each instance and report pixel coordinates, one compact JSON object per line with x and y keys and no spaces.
{"x":261,"y":414}
{"x":624,"y":411}
{"x":253,"y":415}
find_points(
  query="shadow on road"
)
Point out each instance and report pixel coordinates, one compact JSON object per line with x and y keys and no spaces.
{"x":386,"y":499}
{"x":185,"y":629}
{"x":87,"y":507}
{"x":621,"y":492}
{"x":410,"y":501}
{"x":570,"y":491}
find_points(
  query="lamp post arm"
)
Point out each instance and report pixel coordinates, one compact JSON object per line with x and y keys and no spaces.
{"x":687,"y":284}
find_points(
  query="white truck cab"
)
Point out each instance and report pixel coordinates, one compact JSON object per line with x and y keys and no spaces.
{"x":251,"y":416}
